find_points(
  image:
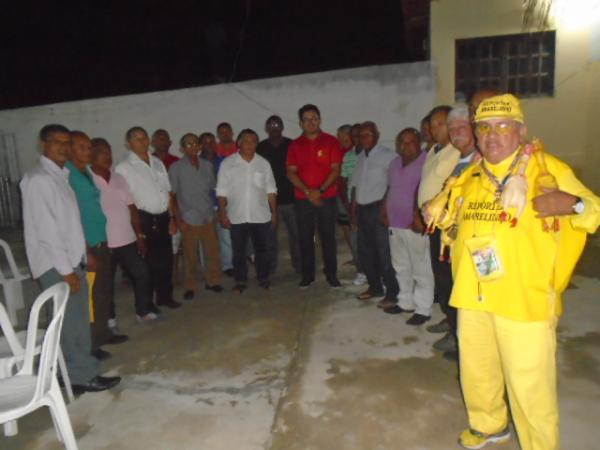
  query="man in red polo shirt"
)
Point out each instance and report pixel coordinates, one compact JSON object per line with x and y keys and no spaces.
{"x":313,"y":167}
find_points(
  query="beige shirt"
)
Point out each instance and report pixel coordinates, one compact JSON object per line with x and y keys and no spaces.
{"x":438,"y":166}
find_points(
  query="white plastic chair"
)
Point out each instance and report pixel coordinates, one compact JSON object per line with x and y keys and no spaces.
{"x":27,"y":391}
{"x":12,"y":285}
{"x":12,"y":351}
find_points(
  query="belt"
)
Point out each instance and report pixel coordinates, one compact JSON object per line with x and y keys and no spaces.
{"x":146,"y":213}
{"x":369,"y":205}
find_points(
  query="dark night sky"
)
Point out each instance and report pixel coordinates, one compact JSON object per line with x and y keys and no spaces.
{"x":54,"y":53}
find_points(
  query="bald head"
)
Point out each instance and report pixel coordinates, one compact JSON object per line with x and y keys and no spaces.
{"x":80,"y":153}
{"x":369,"y":135}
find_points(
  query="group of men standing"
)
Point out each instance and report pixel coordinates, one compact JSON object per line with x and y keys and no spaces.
{"x":422,"y":224}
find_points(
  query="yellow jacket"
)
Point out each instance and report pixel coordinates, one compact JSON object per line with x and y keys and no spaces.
{"x":438,"y":166}
{"x":537,"y":264}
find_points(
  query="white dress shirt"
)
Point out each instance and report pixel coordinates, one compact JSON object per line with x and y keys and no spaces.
{"x":53,"y":232}
{"x":246,"y":186}
{"x":370,"y":176}
{"x":149,"y":183}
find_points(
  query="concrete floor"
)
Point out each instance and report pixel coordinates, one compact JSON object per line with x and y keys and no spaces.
{"x":304,"y":370}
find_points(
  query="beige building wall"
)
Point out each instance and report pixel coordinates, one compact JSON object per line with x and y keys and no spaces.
{"x":568,"y":122}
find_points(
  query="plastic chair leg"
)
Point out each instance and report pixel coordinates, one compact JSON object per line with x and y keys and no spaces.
{"x":10,"y":428}
{"x":61,"y":418}
{"x":62,"y":365}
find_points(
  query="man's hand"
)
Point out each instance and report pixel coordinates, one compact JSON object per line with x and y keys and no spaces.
{"x":142,"y":247}
{"x":425,"y":213}
{"x":172,"y":226}
{"x":314,"y":196}
{"x":383,"y":217}
{"x":91,"y":264}
{"x":73,"y":281}
{"x":417,"y":225}
{"x":353,"y":215}
{"x":182,"y":224}
{"x":554,"y":203}
{"x":225,"y":222}
{"x":273,"y":221}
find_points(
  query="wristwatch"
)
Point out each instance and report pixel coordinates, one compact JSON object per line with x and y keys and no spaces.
{"x":579,"y":206}
{"x":321,"y":190}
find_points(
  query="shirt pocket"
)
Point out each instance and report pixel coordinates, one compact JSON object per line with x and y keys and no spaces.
{"x":259,"y":180}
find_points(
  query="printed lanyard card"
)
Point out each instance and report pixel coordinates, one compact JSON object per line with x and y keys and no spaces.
{"x":485,"y":256}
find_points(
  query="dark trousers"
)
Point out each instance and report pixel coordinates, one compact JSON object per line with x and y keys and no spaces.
{"x":258,"y":233}
{"x":374,"y":251}
{"x":134,"y":265}
{"x":75,"y":338}
{"x":442,"y":275}
{"x":324,"y":218}
{"x":285,"y":214}
{"x":160,"y":254}
{"x":102,"y":295}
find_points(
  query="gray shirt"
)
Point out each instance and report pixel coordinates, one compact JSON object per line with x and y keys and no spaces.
{"x":370,"y":176}
{"x":193,"y":187}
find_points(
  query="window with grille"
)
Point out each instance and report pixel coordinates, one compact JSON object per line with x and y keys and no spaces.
{"x":522,"y":64}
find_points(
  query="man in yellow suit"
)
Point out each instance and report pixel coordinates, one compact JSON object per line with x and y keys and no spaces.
{"x":510,"y":269}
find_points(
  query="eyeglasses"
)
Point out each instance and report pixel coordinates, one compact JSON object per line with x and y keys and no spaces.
{"x":502,"y":128}
{"x":311,"y":119}
{"x":190,"y":144}
{"x":274,"y":125}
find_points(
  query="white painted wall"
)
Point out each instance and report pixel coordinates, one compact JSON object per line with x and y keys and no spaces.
{"x":394,"y":96}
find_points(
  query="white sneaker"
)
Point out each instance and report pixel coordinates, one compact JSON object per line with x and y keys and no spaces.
{"x":150,"y":317}
{"x":112,"y":323}
{"x":360,"y":279}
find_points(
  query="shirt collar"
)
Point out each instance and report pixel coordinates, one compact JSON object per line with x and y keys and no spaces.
{"x":51,"y":166}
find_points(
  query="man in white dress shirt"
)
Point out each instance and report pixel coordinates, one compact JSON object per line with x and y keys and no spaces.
{"x":149,"y":184}
{"x":369,"y":184}
{"x":246,"y":192}
{"x":56,"y":252}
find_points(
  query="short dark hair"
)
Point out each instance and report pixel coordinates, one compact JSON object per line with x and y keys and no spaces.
{"x":224,"y":124}
{"x":133,"y":130}
{"x":246,"y":131}
{"x":77,"y":133}
{"x":356,"y":125}
{"x":425,"y":119}
{"x":160,"y":130}
{"x":274,"y":117}
{"x":409,"y":130}
{"x":205,"y":134}
{"x":46,"y":131}
{"x":437,"y":109}
{"x":100,"y":141}
{"x":345,"y":127}
{"x":306,"y":108}
{"x":186,"y":135}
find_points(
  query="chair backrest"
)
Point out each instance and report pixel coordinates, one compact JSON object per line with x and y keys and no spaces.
{"x":9,"y":333}
{"x":11,"y":262}
{"x":59,"y":294}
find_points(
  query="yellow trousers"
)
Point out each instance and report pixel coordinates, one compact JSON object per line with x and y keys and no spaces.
{"x":497,"y":354}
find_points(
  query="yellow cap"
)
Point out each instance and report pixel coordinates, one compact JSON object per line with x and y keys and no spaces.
{"x":505,"y":106}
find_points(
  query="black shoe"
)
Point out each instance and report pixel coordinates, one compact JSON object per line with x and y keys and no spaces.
{"x":451,"y":355}
{"x":101,"y":355}
{"x":397,"y":310}
{"x":229,"y":272}
{"x":266,"y":284}
{"x":96,"y":384}
{"x":188,"y":295}
{"x":306,"y":282}
{"x":334,"y":282}
{"x":170,"y":304}
{"x":117,"y":339}
{"x":417,"y":319}
{"x":215,"y":288}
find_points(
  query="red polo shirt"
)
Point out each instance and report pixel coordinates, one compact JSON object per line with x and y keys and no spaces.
{"x":226,"y":151}
{"x":169,"y":159}
{"x":314,"y":158}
